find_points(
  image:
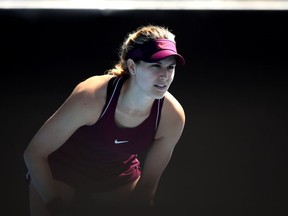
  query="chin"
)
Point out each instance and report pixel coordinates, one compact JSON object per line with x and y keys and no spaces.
{"x":156,"y":94}
{"x":159,"y":96}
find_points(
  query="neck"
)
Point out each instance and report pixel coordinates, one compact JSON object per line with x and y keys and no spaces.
{"x":132,"y":101}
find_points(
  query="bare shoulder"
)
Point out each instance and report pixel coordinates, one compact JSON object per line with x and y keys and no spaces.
{"x":172,"y":119}
{"x":92,"y":86}
{"x":172,"y":109}
{"x":91,"y":89}
{"x":90,"y":96}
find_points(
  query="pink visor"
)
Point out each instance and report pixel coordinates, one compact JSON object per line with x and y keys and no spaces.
{"x":156,"y":50}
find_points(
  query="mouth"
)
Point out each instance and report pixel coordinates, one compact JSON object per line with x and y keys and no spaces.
{"x":160,"y":86}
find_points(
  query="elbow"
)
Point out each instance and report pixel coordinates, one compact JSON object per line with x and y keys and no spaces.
{"x":33,"y":157}
{"x":28,"y":157}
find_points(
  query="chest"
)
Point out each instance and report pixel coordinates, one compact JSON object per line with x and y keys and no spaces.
{"x":125,"y":120}
{"x":106,"y":137}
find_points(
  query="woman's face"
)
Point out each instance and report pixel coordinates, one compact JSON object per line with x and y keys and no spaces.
{"x":154,"y":79}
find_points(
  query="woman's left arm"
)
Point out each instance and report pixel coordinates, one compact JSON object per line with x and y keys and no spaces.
{"x":156,"y":160}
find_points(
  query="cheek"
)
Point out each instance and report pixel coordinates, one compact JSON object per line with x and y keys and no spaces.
{"x":144,"y":79}
{"x":172,"y":76}
{"x":147,"y":76}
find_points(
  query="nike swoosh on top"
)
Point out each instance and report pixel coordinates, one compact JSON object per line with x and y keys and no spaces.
{"x":120,"y":141}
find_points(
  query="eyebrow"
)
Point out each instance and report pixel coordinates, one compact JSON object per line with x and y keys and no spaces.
{"x":159,"y":62}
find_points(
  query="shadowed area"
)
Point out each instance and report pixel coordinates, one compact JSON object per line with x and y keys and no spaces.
{"x":232,"y":157}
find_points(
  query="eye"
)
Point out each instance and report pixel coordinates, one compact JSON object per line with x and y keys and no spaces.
{"x":156,"y":65}
{"x":171,"y":67}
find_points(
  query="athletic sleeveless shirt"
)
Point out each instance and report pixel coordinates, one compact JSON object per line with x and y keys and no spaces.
{"x":103,"y":156}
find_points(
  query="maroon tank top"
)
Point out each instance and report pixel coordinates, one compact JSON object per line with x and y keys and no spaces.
{"x":103,"y":156}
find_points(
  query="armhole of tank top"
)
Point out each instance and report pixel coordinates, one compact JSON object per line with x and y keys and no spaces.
{"x":159,"y":110}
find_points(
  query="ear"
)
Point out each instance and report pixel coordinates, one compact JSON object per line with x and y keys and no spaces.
{"x":131,"y":66}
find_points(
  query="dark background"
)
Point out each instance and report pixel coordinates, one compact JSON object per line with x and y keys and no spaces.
{"x":232,"y":157}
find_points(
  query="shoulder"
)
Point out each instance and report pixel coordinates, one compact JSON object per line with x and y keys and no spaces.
{"x":89,"y":96}
{"x":172,"y":118}
{"x":172,"y":105}
{"x":92,"y":86}
{"x":173,"y":110}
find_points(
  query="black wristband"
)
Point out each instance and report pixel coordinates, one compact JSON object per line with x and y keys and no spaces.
{"x":56,"y":206}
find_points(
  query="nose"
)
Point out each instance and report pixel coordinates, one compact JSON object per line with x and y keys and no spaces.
{"x":164,"y":74}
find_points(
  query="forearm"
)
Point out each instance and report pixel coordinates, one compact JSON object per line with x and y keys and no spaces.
{"x":42,"y":180}
{"x":41,"y":176}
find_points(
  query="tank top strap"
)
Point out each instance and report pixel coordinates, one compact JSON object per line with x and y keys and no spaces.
{"x":111,"y":85}
{"x":113,"y":91}
{"x":157,"y":108}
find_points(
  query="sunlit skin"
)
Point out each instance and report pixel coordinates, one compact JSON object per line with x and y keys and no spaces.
{"x":154,"y":79}
{"x":149,"y":81}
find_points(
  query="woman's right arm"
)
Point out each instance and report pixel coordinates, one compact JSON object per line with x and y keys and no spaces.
{"x":75,"y":112}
